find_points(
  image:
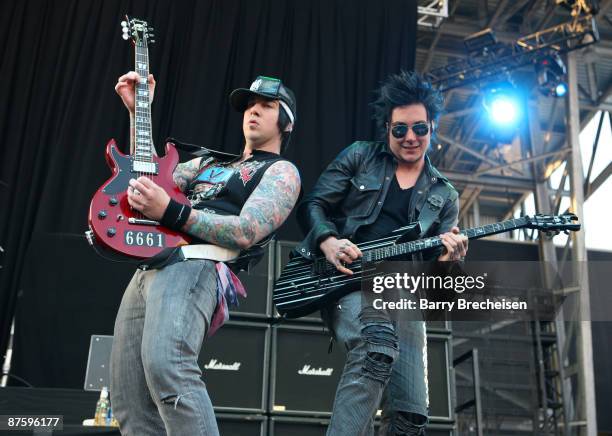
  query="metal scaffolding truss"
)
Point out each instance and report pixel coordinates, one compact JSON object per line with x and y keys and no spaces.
{"x":432,"y":12}
{"x":495,"y":178}
{"x":501,"y":58}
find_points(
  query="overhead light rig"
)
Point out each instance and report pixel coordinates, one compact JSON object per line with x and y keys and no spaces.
{"x":488,"y":59}
{"x":431,"y":13}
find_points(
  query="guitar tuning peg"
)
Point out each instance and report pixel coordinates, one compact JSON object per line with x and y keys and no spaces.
{"x":125,"y":36}
{"x":152,"y":41}
{"x":124,"y":23}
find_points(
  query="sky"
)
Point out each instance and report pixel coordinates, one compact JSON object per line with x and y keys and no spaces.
{"x":598,"y":208}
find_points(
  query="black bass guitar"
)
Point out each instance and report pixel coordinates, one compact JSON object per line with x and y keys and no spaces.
{"x":304,"y":285}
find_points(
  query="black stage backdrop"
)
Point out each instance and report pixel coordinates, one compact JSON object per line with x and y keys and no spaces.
{"x":59,"y":62}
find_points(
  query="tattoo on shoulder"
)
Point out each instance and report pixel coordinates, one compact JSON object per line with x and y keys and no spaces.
{"x":185,"y":172}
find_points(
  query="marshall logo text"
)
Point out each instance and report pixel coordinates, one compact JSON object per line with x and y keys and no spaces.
{"x":308,"y":370}
{"x":215,"y":364}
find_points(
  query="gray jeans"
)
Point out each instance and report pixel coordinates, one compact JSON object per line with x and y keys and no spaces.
{"x":156,"y":387}
{"x":385,"y":367}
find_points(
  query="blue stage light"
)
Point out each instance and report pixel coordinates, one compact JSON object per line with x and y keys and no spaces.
{"x":502,"y":103}
{"x":561,"y":89}
{"x":504,"y":110}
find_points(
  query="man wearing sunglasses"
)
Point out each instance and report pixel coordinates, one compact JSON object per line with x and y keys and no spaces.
{"x":369,"y":190}
{"x":178,"y":298}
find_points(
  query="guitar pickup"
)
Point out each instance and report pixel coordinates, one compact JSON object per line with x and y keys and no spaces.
{"x":143,"y":222}
{"x":139,"y":166}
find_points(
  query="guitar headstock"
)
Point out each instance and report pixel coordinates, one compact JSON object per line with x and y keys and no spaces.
{"x":137,"y":30}
{"x":553,"y":223}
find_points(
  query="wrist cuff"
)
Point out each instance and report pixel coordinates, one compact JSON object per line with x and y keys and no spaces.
{"x":176,"y":215}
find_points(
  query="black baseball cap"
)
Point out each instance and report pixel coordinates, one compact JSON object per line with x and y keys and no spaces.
{"x":267,"y":87}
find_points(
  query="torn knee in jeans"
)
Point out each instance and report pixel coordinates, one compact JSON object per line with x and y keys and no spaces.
{"x":173,"y":399}
{"x":378,"y":366}
{"x":408,"y":424}
{"x":382,"y":349}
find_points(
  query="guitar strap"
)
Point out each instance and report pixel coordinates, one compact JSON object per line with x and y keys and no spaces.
{"x":436,"y":197}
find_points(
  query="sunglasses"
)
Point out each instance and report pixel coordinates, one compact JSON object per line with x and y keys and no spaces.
{"x":399,"y":130}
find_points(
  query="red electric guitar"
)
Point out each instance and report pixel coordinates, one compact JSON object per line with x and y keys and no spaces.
{"x":113,"y":223}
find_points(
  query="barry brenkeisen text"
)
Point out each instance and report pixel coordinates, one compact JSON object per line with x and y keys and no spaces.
{"x":413,"y":283}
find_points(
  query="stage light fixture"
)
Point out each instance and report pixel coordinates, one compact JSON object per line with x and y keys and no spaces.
{"x":561,"y":89}
{"x":502,"y":104}
{"x":480,"y":42}
{"x":550,"y":72}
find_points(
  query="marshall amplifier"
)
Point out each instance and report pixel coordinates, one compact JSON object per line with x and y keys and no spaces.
{"x":438,"y":363}
{"x":304,"y":374}
{"x":283,"y":248}
{"x":290,"y":426}
{"x":242,"y":425}
{"x":258,"y":284}
{"x":235,"y":368}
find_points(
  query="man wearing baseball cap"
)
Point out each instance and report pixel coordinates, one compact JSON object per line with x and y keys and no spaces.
{"x":173,"y":302}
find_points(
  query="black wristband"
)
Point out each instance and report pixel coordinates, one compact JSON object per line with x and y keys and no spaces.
{"x":176,"y":215}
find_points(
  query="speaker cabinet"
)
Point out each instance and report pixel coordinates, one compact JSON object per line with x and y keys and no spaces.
{"x":304,"y":374}
{"x":438,"y":364}
{"x":242,"y":425}
{"x":293,"y":426}
{"x":235,"y":367}
{"x":258,"y":283}
{"x":289,"y":426}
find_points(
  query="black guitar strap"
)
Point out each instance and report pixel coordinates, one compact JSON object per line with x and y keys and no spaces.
{"x":436,"y":197}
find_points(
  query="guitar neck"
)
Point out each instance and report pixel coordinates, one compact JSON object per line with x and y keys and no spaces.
{"x":142,"y":140}
{"x":376,"y":254}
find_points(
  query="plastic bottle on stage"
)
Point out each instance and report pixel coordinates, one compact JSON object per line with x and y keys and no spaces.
{"x":102,"y":408}
{"x":110,"y":419}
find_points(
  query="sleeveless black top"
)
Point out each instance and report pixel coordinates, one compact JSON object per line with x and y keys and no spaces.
{"x":223,"y":188}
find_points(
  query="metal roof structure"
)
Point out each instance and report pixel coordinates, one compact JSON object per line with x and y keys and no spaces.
{"x":477,"y":164}
{"x":495,"y":176}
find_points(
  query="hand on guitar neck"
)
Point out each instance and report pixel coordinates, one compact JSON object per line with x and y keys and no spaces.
{"x":342,"y":252}
{"x":125,"y":88}
{"x":455,"y":246}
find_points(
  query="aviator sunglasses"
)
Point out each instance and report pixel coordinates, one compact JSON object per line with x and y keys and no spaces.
{"x":399,"y":130}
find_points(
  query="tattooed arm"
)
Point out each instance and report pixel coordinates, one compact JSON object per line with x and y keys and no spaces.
{"x":185,"y":172}
{"x":264,"y":211}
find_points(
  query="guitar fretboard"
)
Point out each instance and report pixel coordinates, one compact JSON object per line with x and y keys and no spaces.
{"x":143,"y":150}
{"x":382,"y":253}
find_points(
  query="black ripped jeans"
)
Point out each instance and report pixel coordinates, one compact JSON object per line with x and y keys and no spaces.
{"x":386,"y":367}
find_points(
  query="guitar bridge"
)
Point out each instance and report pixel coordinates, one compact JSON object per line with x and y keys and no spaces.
{"x":143,"y":222}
